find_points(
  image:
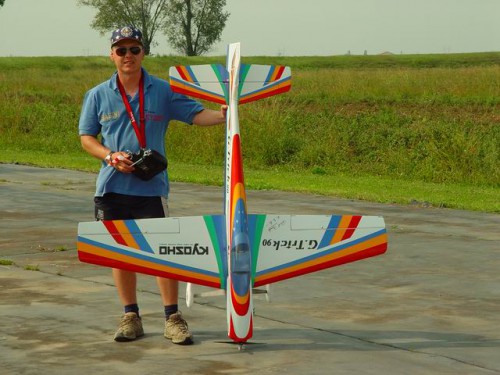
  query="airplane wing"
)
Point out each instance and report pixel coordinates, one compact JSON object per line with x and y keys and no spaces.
{"x":210,"y":82}
{"x":186,"y":249}
{"x":193,"y":249}
{"x":286,"y":246}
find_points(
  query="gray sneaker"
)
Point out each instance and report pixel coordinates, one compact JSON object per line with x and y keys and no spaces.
{"x":130,"y":328}
{"x":176,"y":329}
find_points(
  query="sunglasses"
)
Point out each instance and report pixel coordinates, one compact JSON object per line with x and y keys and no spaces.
{"x":122,"y":51}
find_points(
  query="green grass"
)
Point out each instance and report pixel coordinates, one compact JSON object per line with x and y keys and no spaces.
{"x":395,"y":129}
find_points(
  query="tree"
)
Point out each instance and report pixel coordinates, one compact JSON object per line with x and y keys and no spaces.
{"x":2,"y":2}
{"x":146,"y":15}
{"x":193,"y":26}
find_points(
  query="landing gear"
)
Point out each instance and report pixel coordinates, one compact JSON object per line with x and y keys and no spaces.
{"x":189,"y":295}
{"x":268,"y":292}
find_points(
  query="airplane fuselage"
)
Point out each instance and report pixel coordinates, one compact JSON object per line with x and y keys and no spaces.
{"x":239,"y":288}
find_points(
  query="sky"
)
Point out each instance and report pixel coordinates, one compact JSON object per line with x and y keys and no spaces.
{"x":276,"y":27}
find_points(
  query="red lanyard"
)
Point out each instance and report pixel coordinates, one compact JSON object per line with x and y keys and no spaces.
{"x":140,"y":129}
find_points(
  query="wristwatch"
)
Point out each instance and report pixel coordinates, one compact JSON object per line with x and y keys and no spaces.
{"x":107,"y":159}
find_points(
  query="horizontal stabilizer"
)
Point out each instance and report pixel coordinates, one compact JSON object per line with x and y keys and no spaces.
{"x":261,"y":81}
{"x":186,"y":249}
{"x":207,"y":82}
{"x":210,"y":82}
{"x":286,"y":246}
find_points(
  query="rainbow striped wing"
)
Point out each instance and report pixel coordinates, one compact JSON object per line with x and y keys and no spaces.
{"x":210,"y":82}
{"x":185,"y":249}
{"x":287,"y":246}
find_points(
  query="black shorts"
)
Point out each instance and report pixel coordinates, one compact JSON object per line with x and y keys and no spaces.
{"x":113,"y":206}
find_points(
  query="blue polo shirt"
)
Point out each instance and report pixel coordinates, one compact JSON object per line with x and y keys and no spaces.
{"x":103,"y":112}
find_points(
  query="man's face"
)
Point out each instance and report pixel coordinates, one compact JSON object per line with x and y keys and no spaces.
{"x":127,"y":56}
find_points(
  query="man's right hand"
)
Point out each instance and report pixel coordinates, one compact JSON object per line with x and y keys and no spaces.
{"x":120,"y":160}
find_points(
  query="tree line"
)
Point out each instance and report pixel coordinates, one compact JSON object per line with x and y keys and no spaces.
{"x":191,"y":26}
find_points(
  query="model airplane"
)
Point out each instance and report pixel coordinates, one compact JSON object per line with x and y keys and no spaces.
{"x":235,"y":251}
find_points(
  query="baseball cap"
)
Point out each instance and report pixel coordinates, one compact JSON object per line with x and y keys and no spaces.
{"x":126,"y":33}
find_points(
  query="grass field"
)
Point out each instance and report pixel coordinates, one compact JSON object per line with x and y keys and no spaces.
{"x":421,"y":129}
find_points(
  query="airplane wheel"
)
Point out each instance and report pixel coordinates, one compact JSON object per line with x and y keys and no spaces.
{"x":189,"y":295}
{"x":268,"y":292}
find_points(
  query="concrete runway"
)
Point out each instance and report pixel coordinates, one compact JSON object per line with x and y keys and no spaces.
{"x":430,"y":305}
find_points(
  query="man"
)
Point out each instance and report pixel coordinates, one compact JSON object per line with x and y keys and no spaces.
{"x":132,"y":111}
